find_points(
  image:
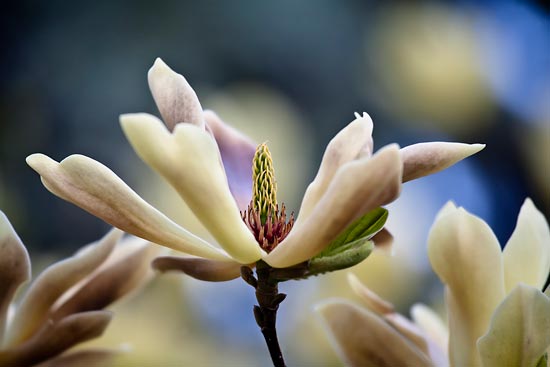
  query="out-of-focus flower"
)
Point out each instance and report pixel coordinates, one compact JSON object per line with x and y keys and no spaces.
{"x":65,"y":305}
{"x":498,"y":315}
{"x":210,"y":166}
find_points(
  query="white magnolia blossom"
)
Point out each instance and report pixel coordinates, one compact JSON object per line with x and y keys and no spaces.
{"x":64,"y":306}
{"x":210,"y":165}
{"x":497,"y":314}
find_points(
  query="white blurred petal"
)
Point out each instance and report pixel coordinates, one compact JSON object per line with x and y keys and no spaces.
{"x":466,"y":256}
{"x":519,"y":332}
{"x":527,"y":254}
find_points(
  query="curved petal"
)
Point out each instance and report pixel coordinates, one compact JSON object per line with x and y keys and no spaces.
{"x":357,"y":187}
{"x":55,"y":338}
{"x":15,"y":267}
{"x":175,"y":99}
{"x":437,"y":333}
{"x":363,"y":339}
{"x":189,"y":160}
{"x":423,"y":159}
{"x":347,"y":145}
{"x":202,"y":269}
{"x":372,"y":300}
{"x":80,"y":358}
{"x":126,"y":269}
{"x":237,"y":152}
{"x":383,"y":241}
{"x":96,"y":189}
{"x":520,"y":330}
{"x":527,"y":253}
{"x":53,"y":282}
{"x":466,"y":256}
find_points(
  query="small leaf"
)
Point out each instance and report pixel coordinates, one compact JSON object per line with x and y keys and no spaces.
{"x":543,"y":361}
{"x":347,"y":256}
{"x":363,"y":228}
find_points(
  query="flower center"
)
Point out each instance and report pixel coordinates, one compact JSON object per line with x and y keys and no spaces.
{"x":263,"y":217}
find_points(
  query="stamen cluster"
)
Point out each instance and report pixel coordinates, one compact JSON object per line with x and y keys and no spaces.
{"x":273,"y":230}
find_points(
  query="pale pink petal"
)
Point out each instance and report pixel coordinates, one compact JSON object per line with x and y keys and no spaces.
{"x":83,"y":358}
{"x":53,"y":282}
{"x":175,"y":99}
{"x":527,"y":254}
{"x":189,"y":160}
{"x":128,"y":270}
{"x":55,"y":338}
{"x":426,"y":158}
{"x":358,"y":187}
{"x":202,"y":269}
{"x":466,"y":256}
{"x":364,"y":339}
{"x":15,"y":267}
{"x":96,"y":189}
{"x":237,"y":152}
{"x":347,"y":145}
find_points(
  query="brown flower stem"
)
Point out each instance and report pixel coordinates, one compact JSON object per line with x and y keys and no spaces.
{"x":265,"y":313}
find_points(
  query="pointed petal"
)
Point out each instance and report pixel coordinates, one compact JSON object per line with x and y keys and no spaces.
{"x":347,"y":145}
{"x":363,"y":339}
{"x":202,"y":269}
{"x":189,"y":160}
{"x":466,"y":256}
{"x":87,"y":358}
{"x":237,"y":152}
{"x":175,"y":99}
{"x":53,"y":282}
{"x":527,"y":253}
{"x":423,"y":159}
{"x":520,"y":330}
{"x":129,"y":269}
{"x":55,"y":338}
{"x":96,"y":189}
{"x":357,"y":187}
{"x":383,"y":241}
{"x":15,"y":267}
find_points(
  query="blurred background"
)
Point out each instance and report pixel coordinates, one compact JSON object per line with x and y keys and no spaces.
{"x":291,"y":73}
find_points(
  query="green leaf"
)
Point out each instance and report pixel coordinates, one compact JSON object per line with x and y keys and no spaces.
{"x":363,"y":228}
{"x":347,"y":256}
{"x":543,"y":361}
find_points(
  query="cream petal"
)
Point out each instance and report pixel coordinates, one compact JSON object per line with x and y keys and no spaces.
{"x":373,"y":301}
{"x":237,"y":152}
{"x":347,"y":145}
{"x":53,"y":282}
{"x":96,"y":189}
{"x":357,"y":188}
{"x":527,"y":254}
{"x":423,"y":159}
{"x":520,"y":330}
{"x":175,"y":99}
{"x":202,"y":269}
{"x":364,"y":339}
{"x":128,"y":270}
{"x":189,"y":160}
{"x":466,"y":256}
{"x":54,"y":338}
{"x":87,"y":358}
{"x":15,"y":267}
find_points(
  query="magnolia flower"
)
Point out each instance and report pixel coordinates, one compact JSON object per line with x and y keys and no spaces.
{"x":64,"y":305}
{"x":498,"y":315}
{"x":210,"y":165}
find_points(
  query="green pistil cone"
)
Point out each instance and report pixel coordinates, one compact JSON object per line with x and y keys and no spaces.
{"x":264,"y":191}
